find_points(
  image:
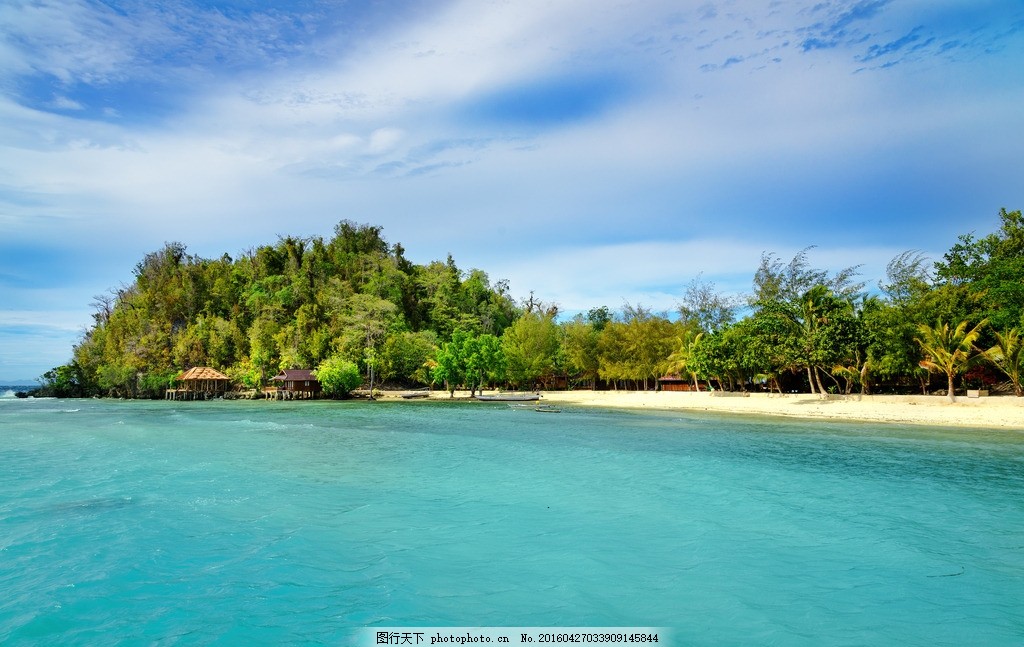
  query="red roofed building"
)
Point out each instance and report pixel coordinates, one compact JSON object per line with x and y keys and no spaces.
{"x":297,"y":383}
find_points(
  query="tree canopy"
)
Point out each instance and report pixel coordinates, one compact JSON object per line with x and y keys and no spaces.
{"x":293,"y":304}
{"x":353,"y":305}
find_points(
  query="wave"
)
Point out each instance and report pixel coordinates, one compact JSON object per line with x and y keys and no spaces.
{"x":8,"y":391}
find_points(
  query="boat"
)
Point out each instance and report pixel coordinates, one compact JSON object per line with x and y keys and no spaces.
{"x":409,"y":395}
{"x":509,"y":397}
{"x":547,"y":408}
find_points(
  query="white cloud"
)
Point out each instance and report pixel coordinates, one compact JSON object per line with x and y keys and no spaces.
{"x":33,"y":341}
{"x":656,"y":273}
{"x":383,"y":140}
{"x":689,"y":171}
{"x":54,"y":320}
{"x":69,"y":40}
{"x":64,"y":103}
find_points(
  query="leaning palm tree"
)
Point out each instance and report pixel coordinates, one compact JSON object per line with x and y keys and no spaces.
{"x":948,"y":351}
{"x":1008,"y":356}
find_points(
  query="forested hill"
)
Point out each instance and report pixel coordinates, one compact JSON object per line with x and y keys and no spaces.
{"x":288,"y":305}
{"x":353,"y":305}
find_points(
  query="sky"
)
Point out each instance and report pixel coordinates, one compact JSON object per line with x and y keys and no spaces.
{"x":593,"y":152}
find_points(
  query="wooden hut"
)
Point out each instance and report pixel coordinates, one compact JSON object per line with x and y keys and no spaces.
{"x":677,"y":383}
{"x":295,"y":384}
{"x":199,"y":383}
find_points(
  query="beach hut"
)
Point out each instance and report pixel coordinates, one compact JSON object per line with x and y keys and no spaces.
{"x":676,"y":383}
{"x":199,"y":383}
{"x":296,"y":383}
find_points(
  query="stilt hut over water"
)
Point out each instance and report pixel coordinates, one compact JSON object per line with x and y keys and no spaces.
{"x":199,"y":383}
{"x":295,"y":384}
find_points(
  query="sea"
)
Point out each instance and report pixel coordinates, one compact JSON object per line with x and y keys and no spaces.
{"x":314,"y":523}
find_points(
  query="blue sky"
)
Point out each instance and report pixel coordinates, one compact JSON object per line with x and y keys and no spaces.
{"x":593,"y":152}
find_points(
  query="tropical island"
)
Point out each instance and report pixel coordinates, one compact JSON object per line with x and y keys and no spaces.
{"x":353,"y":311}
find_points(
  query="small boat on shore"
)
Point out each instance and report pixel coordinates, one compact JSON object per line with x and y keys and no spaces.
{"x":410,"y":395}
{"x":509,"y":397}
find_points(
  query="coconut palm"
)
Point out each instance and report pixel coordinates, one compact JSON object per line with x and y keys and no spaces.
{"x":1008,"y":356}
{"x":948,"y":351}
{"x":679,"y":361}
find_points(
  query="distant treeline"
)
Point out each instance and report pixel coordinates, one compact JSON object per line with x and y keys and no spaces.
{"x":354,"y":305}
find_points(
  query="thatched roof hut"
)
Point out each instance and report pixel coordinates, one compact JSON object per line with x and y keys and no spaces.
{"x":204,"y":379}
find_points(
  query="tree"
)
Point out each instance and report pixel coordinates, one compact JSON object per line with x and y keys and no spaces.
{"x":948,"y":351}
{"x":680,"y":362}
{"x":450,"y":363}
{"x":263,"y":352}
{"x":65,"y":381}
{"x":828,"y":334}
{"x":530,"y":345}
{"x":489,"y":309}
{"x":768,"y":343}
{"x":356,"y":251}
{"x":580,"y":348}
{"x":715,"y":356}
{"x":288,"y":305}
{"x":338,"y":376}
{"x":490,"y":361}
{"x":482,"y":359}
{"x":991,"y":267}
{"x":705,"y":307}
{"x":787,"y":283}
{"x":907,"y":277}
{"x":649,"y":340}
{"x":437,"y":289}
{"x":889,"y":325}
{"x":815,"y":333}
{"x":817,"y":307}
{"x":1008,"y":356}
{"x":117,"y":380}
{"x":612,"y":354}
{"x":365,"y":320}
{"x":405,"y":356}
{"x":301,"y":301}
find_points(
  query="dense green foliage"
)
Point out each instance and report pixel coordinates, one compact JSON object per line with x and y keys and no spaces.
{"x":338,"y":376}
{"x":353,"y":306}
{"x":290,"y":305}
{"x":820,"y":332}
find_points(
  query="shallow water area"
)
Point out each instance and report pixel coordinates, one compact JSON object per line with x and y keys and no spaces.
{"x":301,"y":523}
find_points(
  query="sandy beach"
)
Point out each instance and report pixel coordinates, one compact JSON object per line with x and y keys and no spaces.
{"x":993,"y":412}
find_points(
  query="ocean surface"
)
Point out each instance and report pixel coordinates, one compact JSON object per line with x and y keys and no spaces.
{"x":274,"y":523}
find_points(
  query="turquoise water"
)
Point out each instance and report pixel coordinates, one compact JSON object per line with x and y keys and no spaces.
{"x":299,"y":523}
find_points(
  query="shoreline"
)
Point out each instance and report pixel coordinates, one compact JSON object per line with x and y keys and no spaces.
{"x":1001,"y":412}
{"x":992,"y":412}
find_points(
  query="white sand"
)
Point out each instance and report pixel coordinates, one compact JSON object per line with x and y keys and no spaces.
{"x":992,"y":412}
{"x":1000,"y":412}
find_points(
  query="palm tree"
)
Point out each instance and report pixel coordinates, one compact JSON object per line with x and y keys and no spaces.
{"x":1008,"y":356}
{"x":679,"y":361}
{"x":948,"y":351}
{"x":825,"y":327}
